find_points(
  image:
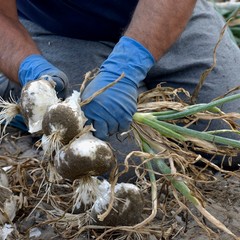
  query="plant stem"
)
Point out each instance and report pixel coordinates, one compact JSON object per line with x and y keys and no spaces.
{"x":186,"y":192}
{"x":197,"y":108}
{"x":163,"y":130}
{"x":178,"y":184}
{"x":201,"y":135}
{"x":181,"y":133}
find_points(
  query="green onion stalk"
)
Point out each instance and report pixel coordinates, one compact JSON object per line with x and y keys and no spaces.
{"x":158,"y":121}
{"x":182,"y":187}
{"x":165,"y":169}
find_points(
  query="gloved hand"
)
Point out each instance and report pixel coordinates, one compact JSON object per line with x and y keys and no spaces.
{"x":112,"y":110}
{"x":35,"y":66}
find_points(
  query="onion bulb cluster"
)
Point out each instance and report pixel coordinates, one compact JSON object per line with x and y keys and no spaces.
{"x":78,"y":156}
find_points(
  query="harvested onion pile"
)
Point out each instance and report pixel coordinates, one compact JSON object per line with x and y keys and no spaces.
{"x":61,"y":124}
{"x":78,"y":156}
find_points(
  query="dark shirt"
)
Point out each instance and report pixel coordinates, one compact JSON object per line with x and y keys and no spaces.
{"x":84,"y":19}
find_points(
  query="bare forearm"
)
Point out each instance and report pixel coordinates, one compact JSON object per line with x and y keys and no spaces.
{"x":158,"y":23}
{"x":15,"y":45}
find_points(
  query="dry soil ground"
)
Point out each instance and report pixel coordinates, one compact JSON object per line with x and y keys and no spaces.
{"x":222,"y":198}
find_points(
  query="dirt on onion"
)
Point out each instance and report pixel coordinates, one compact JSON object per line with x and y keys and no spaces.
{"x":85,"y":156}
{"x":64,"y":118}
{"x":127,"y":206}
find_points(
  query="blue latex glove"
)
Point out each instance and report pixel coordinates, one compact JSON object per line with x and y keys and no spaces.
{"x":112,"y":111}
{"x":35,"y":66}
{"x":18,"y":122}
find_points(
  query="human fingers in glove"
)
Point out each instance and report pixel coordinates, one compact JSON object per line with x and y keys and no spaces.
{"x":35,"y":66}
{"x":112,"y":110}
{"x":149,"y":36}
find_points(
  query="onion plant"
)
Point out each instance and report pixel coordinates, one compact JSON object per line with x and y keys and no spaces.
{"x":159,"y":134}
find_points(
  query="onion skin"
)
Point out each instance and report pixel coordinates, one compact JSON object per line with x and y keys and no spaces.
{"x":3,"y":178}
{"x":85,"y":156}
{"x":127,"y":207}
{"x":7,"y":204}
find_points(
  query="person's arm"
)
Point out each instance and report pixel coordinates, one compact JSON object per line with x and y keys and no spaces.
{"x":20,"y":59}
{"x":157,"y":24}
{"x":15,"y":42}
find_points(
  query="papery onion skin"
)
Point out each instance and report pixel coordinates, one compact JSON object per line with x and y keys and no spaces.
{"x":7,"y":204}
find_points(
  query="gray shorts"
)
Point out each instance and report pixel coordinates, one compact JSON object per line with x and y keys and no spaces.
{"x":181,"y":66}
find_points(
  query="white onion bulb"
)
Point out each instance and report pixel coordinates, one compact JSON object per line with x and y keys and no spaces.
{"x":85,"y":156}
{"x":64,"y":120}
{"x":36,"y":97}
{"x":127,"y":206}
